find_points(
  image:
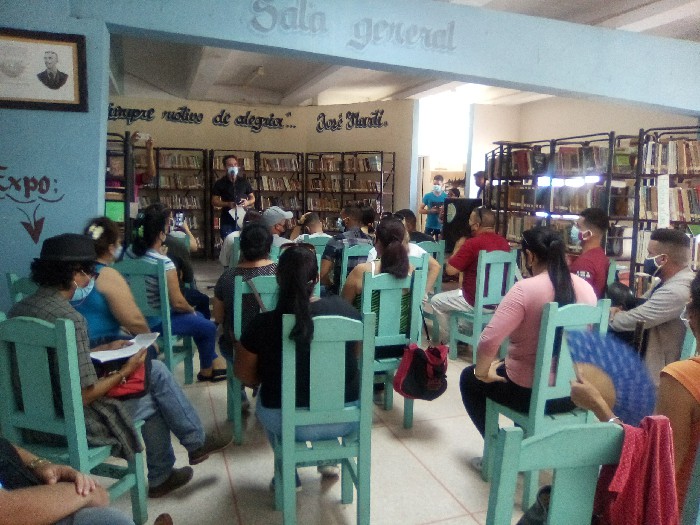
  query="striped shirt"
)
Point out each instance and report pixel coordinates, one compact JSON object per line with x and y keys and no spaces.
{"x":152,"y":290}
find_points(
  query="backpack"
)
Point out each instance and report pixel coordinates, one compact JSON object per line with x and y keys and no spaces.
{"x":422,"y":374}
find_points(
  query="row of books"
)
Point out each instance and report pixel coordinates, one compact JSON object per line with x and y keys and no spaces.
{"x":248,"y":163}
{"x":279,"y":164}
{"x":322,"y":204}
{"x":564,"y":199}
{"x":517,"y":224}
{"x":177,"y":181}
{"x":672,"y":156}
{"x":324,"y":163}
{"x":287,"y":203}
{"x":167,"y":159}
{"x":684,"y":203}
{"x":182,"y":202}
{"x":363,"y":164}
{"x":270,"y":183}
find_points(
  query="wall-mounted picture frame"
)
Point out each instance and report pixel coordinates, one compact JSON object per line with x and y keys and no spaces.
{"x":45,"y":71}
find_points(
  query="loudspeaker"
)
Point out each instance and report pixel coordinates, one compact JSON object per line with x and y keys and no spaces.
{"x":456,"y":224}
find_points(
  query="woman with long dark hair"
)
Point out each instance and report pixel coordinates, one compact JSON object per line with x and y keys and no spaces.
{"x":259,"y":353}
{"x":150,"y":230}
{"x":518,"y":317}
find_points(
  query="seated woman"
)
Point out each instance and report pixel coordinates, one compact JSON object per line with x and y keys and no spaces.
{"x":678,"y":399}
{"x":256,"y":241}
{"x":392,"y":258}
{"x":150,"y":230}
{"x":259,"y":353}
{"x":518,"y":316}
{"x":65,"y":270}
{"x":109,"y":307}
{"x":308,"y":224}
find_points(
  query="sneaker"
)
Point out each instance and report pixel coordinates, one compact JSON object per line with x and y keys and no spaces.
{"x":178,"y":477}
{"x":211,"y":444}
{"x":328,"y":471}
{"x":296,"y":480}
{"x":476,"y":463}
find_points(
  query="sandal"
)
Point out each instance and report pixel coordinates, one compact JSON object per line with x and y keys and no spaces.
{"x":215,"y":377}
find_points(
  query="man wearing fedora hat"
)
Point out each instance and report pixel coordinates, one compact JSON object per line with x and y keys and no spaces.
{"x":64,"y":271}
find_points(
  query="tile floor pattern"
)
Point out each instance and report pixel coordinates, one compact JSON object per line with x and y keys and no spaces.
{"x":419,"y":476}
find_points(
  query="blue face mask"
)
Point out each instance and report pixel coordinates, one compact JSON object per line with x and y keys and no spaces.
{"x":232,"y":170}
{"x":340,"y":225}
{"x":118,"y":252}
{"x":81,"y":294}
{"x":573,"y":235}
{"x":651,"y":266}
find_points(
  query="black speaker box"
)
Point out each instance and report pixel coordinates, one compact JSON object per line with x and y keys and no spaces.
{"x":456,"y":224}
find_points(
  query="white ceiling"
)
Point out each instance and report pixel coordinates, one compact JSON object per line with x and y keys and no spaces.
{"x":164,"y":69}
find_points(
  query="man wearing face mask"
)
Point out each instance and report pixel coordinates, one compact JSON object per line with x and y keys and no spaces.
{"x":277,"y":219}
{"x":432,"y":207}
{"x":592,"y":265}
{"x":232,"y":193}
{"x":482,"y":222}
{"x":668,"y":258}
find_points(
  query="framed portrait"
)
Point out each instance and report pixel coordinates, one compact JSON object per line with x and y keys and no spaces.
{"x":42,"y":71}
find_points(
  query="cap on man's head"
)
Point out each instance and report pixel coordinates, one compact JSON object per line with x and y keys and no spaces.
{"x":274,"y":215}
{"x":68,"y":247}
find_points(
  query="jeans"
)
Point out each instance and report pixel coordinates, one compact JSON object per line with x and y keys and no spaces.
{"x":198,"y":300}
{"x":97,"y":516}
{"x":443,"y":304}
{"x":202,"y":331}
{"x":165,"y":409}
{"x":271,"y":420}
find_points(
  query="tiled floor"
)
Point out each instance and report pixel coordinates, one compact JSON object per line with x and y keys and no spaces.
{"x":419,"y":476}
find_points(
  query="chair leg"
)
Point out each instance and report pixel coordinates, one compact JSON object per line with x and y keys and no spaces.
{"x":139,"y":505}
{"x":234,"y":404}
{"x":389,"y":390}
{"x":530,"y":487}
{"x":189,"y":361}
{"x":490,"y":436}
{"x":407,"y":413}
{"x":346,"y":482}
{"x":278,"y":484}
{"x":363,"y":484}
{"x":453,"y":337}
{"x":289,"y":493}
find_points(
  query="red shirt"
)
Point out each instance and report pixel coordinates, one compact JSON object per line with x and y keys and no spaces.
{"x":465,"y":260}
{"x":592,"y":266}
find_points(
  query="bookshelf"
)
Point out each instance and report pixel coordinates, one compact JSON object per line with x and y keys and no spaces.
{"x":119,"y":181}
{"x":280,"y":180}
{"x":334,"y":179}
{"x":181,"y":184}
{"x":667,"y":187}
{"x":246,"y":161}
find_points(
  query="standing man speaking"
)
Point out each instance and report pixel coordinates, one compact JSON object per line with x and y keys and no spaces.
{"x":232,"y":193}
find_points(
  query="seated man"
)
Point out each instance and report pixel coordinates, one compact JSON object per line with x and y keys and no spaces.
{"x":482,"y":222}
{"x":351,"y":217}
{"x":668,"y":259}
{"x":592,"y":265}
{"x":409,"y":220}
{"x":227,"y":246}
{"x":277,"y":219}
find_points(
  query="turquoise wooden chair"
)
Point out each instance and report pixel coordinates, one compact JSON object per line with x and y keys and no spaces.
{"x":612,"y":271}
{"x":235,"y":252}
{"x":691,"y":509}
{"x":552,"y":348}
{"x":689,"y":345}
{"x":319,"y":244}
{"x":357,"y":250}
{"x":495,"y":275}
{"x":575,"y":454}
{"x":326,"y":405}
{"x":275,"y":253}
{"x":19,"y":287}
{"x":437,"y":250}
{"x":268,"y":289}
{"x":34,"y":347}
{"x":176,"y":349}
{"x":382,"y":295}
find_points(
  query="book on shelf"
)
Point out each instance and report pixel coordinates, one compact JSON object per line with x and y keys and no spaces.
{"x":115,"y":167}
{"x":622,"y":160}
{"x":247,"y":163}
{"x":325,"y":163}
{"x":177,"y":181}
{"x":167,"y":159}
{"x":522,"y":162}
{"x":279,"y":164}
{"x":672,"y":156}
{"x":322,"y":204}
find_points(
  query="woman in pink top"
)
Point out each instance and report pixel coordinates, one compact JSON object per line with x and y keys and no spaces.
{"x":518,"y":316}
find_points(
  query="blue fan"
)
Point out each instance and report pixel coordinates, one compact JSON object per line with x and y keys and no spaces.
{"x":635,"y":393}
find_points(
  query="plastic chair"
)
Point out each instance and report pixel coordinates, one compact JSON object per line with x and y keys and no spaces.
{"x":320,"y":244}
{"x":34,"y":347}
{"x":691,"y":509}
{"x":612,"y":271}
{"x":19,"y":287}
{"x":267,"y":287}
{"x":274,"y":253}
{"x":176,"y":349}
{"x":326,"y":405}
{"x":437,"y":251}
{"x":575,"y":453}
{"x":689,"y":345}
{"x":552,"y":349}
{"x":357,"y":250}
{"x":386,"y":292}
{"x":495,"y":275}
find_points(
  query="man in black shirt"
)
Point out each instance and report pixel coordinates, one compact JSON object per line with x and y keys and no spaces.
{"x":232,"y":193}
{"x":409,"y":219}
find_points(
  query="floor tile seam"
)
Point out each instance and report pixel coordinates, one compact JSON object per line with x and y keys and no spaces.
{"x":443,"y":520}
{"x":430,"y":472}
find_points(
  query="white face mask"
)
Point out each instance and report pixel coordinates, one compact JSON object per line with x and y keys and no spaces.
{"x":232,"y":170}
{"x":437,"y":188}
